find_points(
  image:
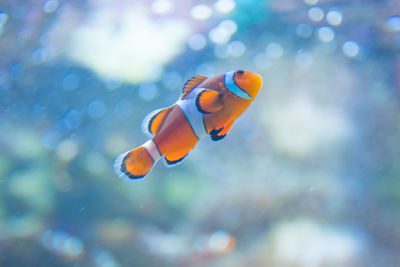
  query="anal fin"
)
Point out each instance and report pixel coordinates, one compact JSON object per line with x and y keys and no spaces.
{"x":175,"y":157}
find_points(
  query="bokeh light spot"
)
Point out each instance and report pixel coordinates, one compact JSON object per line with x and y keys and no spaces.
{"x":148,"y":91}
{"x":304,"y":30}
{"x":3,"y":18}
{"x":42,"y":54}
{"x":229,"y":26}
{"x":316,"y":14}
{"x":274,"y":50}
{"x":50,"y":139}
{"x":67,"y":150}
{"x":219,"y":35}
{"x":236,"y":48}
{"x":393,"y":23}
{"x":326,"y":34}
{"x":221,"y":242}
{"x":73,"y":247}
{"x":311,"y":2}
{"x":201,"y":12}
{"x":96,"y":109}
{"x":50,"y":6}
{"x":350,"y":49}
{"x":72,"y":119}
{"x":224,"y":6}
{"x":163,"y":7}
{"x":334,"y":17}
{"x":197,"y":41}
{"x":70,"y":81}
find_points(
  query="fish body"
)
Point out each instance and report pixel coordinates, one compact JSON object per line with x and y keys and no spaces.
{"x":207,"y":106}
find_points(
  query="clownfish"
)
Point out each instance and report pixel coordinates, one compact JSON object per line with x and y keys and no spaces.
{"x":207,"y":106}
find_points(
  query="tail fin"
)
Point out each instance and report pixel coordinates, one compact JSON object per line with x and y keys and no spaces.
{"x":134,"y":165}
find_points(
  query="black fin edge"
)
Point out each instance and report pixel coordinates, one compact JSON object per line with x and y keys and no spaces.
{"x":125,"y":171}
{"x":172,"y":162}
{"x":151,"y":121}
{"x":198,"y":105}
{"x":214,"y":134}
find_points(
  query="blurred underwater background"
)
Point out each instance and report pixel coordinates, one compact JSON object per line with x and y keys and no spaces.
{"x":308,"y":176}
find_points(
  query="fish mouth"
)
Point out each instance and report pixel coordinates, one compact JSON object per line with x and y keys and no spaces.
{"x":257,"y":79}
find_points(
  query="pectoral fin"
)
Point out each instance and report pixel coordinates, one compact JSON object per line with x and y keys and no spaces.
{"x":209,"y":101}
{"x":218,"y":134}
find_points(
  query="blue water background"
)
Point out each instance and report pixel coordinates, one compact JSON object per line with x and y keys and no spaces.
{"x":308,"y":176}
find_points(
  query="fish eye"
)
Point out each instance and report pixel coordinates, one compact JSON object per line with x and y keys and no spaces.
{"x":240,"y":72}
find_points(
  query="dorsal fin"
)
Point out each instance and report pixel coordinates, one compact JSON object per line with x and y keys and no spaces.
{"x":152,"y":122}
{"x":192,"y":83}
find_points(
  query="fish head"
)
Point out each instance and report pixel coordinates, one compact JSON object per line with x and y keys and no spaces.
{"x":242,"y":83}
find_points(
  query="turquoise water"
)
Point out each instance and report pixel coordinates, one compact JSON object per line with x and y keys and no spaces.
{"x":308,"y":175}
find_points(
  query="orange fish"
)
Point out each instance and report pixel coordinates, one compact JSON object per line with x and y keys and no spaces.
{"x":207,"y":106}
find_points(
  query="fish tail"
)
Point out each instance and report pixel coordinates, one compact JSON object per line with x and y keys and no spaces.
{"x":135,"y":164}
